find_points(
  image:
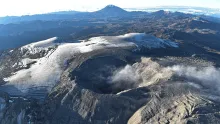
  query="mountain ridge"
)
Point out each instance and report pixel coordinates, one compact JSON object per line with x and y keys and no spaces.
{"x":108,"y":11}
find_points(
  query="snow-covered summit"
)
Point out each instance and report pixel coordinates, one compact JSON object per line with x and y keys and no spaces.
{"x":37,"y":47}
{"x":46,"y":72}
{"x":43,"y":43}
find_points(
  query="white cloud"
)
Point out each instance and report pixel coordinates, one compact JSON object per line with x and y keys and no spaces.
{"x":142,"y":73}
{"x":127,"y":74}
{"x":148,"y":72}
{"x":206,"y":76}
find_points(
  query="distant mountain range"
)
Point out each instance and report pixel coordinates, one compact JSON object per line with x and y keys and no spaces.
{"x":184,"y":9}
{"x":107,"y":12}
{"x":17,"y":31}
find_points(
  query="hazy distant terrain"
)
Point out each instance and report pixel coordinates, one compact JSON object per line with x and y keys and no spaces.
{"x":214,"y":12}
{"x":111,"y":66}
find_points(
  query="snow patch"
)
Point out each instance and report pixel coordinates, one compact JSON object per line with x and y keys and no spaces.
{"x":148,"y":41}
{"x":27,"y":61}
{"x":43,"y":43}
{"x":37,"y":47}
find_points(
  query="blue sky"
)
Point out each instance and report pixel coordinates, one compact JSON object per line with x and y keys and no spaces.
{"x":23,"y":7}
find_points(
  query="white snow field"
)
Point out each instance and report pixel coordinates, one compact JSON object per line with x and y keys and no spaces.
{"x":46,"y":72}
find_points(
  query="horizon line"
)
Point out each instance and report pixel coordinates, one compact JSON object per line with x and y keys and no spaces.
{"x":97,"y":9}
